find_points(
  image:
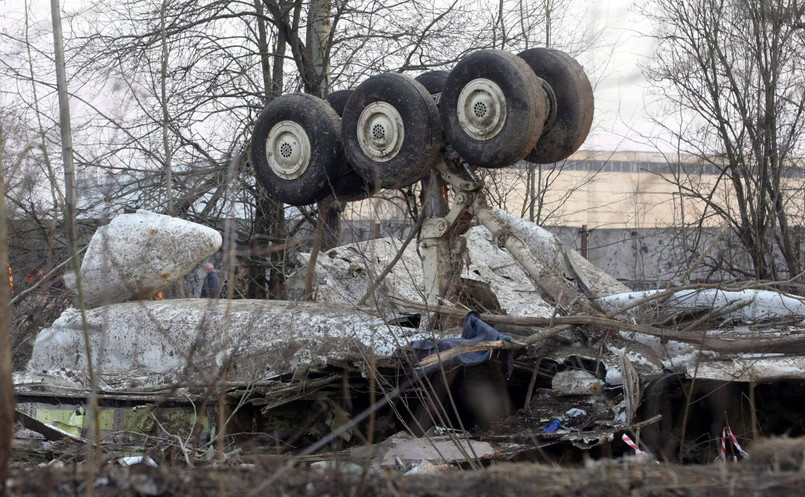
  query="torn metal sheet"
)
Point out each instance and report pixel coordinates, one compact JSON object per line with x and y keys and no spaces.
{"x":132,"y":460}
{"x":425,"y":468}
{"x":137,"y":255}
{"x":66,"y":418}
{"x":756,"y":368}
{"x":584,"y":420}
{"x":690,"y":360}
{"x":197,"y":340}
{"x":49,"y":431}
{"x":546,"y":247}
{"x":439,"y":450}
{"x":745,"y":305}
{"x":576,"y":382}
{"x":343,"y":274}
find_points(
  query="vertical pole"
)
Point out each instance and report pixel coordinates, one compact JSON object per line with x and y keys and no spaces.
{"x":64,"y":116}
{"x":70,"y":213}
{"x":584,"y":240}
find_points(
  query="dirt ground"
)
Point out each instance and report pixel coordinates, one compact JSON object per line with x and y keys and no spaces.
{"x":775,"y":470}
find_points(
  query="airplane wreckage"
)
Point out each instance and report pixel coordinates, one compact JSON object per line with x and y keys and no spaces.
{"x":489,"y":339}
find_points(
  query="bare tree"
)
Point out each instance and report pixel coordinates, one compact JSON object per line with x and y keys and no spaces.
{"x":731,"y":68}
{"x":167,"y":93}
{"x":6,"y":387}
{"x":215,"y":50}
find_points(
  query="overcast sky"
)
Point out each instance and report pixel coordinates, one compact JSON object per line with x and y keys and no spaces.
{"x":619,"y":89}
{"x":619,"y":95}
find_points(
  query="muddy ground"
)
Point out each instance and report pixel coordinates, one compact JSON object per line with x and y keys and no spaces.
{"x":775,"y":469}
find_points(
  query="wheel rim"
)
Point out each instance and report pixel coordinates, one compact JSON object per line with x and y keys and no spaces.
{"x":481,"y":109}
{"x":288,"y":150}
{"x":380,"y":131}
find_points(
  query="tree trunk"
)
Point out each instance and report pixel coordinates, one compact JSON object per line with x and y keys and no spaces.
{"x":163,"y":89}
{"x":262,"y":46}
{"x":316,"y":40}
{"x":317,"y":82}
{"x":331,"y":209}
{"x":732,"y":66}
{"x":267,"y":253}
{"x":268,"y":227}
{"x":6,"y":386}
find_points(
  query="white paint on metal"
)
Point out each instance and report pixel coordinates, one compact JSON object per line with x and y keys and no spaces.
{"x":554,"y":253}
{"x":380,"y":131}
{"x":441,"y":450}
{"x":576,"y":382}
{"x":750,"y":369}
{"x":481,"y":109}
{"x":343,"y":276}
{"x":288,"y":150}
{"x":137,"y":255}
{"x":748,"y":305}
{"x":197,"y":340}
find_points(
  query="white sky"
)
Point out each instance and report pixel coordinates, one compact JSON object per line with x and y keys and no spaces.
{"x":619,"y":95}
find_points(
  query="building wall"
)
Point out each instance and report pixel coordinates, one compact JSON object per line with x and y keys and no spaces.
{"x":633,"y":214}
{"x":628,"y":190}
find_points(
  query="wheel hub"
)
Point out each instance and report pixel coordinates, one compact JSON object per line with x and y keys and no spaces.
{"x":481,"y":109}
{"x":288,"y":150}
{"x":380,"y":131}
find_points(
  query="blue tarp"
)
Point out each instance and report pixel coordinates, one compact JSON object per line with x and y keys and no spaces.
{"x":474,"y":331}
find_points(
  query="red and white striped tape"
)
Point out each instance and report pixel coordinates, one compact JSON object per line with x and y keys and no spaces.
{"x":633,"y":445}
{"x":726,"y":432}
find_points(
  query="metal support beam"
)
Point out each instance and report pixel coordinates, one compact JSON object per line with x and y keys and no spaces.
{"x":441,"y":245}
{"x":552,"y":287}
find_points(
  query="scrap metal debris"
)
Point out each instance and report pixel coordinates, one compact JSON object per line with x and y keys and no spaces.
{"x":554,"y":381}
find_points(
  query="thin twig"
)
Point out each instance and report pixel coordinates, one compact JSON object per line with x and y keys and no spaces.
{"x":44,"y":278}
{"x":178,"y":440}
{"x":449,"y":355}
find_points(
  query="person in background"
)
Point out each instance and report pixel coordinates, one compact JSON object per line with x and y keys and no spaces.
{"x":210,"y":285}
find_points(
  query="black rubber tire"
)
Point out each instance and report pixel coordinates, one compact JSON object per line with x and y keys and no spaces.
{"x":572,"y":116}
{"x":422,"y":130}
{"x":433,"y":81}
{"x":349,"y":185}
{"x":321,"y":125}
{"x":338,"y":99}
{"x":526,"y":108}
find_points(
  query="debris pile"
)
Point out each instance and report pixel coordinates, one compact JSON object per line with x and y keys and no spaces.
{"x":663,"y":374}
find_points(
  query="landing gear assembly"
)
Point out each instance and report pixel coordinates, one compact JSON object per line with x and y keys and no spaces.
{"x":492,"y":110}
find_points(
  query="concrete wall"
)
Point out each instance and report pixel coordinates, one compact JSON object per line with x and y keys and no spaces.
{"x":642,"y":259}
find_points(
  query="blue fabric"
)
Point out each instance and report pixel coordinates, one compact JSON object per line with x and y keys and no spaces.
{"x":474,"y":331}
{"x":553,"y":426}
{"x":210,"y":284}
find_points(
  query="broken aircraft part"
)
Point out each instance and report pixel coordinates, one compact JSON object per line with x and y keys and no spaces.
{"x":137,"y":255}
{"x":195,"y":340}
